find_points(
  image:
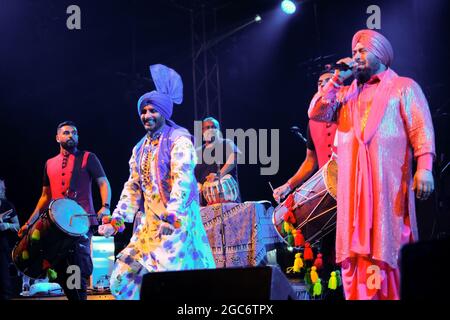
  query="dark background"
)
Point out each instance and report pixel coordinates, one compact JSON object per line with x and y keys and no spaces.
{"x":268,"y":75}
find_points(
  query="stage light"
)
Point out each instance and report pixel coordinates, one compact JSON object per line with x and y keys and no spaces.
{"x":288,"y":6}
{"x":258,"y":18}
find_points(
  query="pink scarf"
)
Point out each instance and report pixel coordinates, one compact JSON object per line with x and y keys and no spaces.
{"x":363,"y":194}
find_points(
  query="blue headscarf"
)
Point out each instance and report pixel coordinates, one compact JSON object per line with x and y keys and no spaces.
{"x":169,"y":90}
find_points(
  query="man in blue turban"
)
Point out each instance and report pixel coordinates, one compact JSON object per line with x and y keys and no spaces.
{"x":170,"y":235}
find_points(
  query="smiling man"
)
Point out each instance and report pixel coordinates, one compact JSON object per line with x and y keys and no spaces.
{"x":170,"y":235}
{"x":384,"y":124}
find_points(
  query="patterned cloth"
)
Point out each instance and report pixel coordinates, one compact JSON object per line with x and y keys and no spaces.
{"x":249,"y":232}
{"x":187,"y":247}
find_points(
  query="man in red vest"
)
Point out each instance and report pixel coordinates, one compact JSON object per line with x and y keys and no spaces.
{"x":318,"y":149}
{"x":57,"y":185}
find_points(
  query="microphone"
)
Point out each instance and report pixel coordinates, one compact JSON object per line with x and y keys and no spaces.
{"x":297,"y":131}
{"x":337,"y":66}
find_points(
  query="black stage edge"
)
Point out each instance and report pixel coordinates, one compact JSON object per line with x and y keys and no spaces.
{"x":213,"y":285}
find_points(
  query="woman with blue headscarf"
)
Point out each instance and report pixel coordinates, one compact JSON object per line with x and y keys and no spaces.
{"x":170,"y":234}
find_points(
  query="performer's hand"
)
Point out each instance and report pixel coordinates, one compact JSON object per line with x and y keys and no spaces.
{"x":103,"y":212}
{"x":106,"y":230}
{"x":344,"y":75}
{"x":211,"y":177}
{"x":165,"y":229}
{"x":22,"y":230}
{"x":423,"y":184}
{"x":281,"y":192}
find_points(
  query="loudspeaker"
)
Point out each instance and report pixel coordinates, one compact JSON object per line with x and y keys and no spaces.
{"x":253,"y":283}
{"x":423,"y":269}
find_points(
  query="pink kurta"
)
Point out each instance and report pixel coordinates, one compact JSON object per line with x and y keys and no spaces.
{"x":375,"y":179}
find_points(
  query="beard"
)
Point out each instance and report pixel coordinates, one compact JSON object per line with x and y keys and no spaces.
{"x":209,"y":135}
{"x":69,"y":145}
{"x":363,"y":75}
{"x":212,"y":135}
{"x":154,"y":125}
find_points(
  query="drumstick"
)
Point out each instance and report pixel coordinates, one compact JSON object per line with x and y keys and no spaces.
{"x":5,"y":214}
{"x":277,"y":200}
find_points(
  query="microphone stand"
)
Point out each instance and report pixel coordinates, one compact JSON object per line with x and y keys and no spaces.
{"x":222,"y":223}
{"x":222,"y":220}
{"x":297,"y":132}
{"x":440,"y":202}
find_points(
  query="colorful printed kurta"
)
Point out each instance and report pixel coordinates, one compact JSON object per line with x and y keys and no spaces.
{"x":399,"y":132}
{"x":188,"y":246}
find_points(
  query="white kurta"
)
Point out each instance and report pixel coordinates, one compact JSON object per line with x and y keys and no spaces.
{"x":187,"y":247}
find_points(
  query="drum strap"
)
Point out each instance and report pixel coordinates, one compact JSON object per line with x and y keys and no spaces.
{"x":79,"y":160}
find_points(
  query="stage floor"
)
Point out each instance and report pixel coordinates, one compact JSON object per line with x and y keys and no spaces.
{"x":297,"y":285}
{"x":63,"y":297}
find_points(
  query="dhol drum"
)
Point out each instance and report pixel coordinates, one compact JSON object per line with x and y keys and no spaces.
{"x":229,"y":192}
{"x":311,"y":208}
{"x":49,"y":239}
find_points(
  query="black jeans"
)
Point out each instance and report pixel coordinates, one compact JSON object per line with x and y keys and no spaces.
{"x":79,"y":255}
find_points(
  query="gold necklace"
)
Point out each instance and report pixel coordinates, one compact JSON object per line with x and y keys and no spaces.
{"x":366,"y":111}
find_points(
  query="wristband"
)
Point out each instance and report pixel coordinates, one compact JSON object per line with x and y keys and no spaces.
{"x":118,"y":223}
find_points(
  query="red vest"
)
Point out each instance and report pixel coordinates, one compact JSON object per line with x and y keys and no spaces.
{"x":60,"y":177}
{"x":322,"y":134}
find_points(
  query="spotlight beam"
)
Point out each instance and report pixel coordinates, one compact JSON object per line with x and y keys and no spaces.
{"x":218,"y":39}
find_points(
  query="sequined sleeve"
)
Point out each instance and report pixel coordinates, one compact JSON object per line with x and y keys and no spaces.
{"x":131,"y":195}
{"x":324,"y":105}
{"x":183,"y":159}
{"x":417,"y":118}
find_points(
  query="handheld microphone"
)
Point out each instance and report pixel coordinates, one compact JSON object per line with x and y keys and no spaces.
{"x":337,"y":66}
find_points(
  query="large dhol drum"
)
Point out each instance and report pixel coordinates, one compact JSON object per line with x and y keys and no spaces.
{"x":213,"y":194}
{"x":313,"y":206}
{"x":49,"y":239}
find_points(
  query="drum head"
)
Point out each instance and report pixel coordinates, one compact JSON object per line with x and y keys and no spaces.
{"x":69,"y":216}
{"x":230,"y":188}
{"x":313,"y":206}
{"x":213,"y":194}
{"x":330,"y":177}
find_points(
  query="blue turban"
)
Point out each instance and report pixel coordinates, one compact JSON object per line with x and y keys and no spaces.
{"x":169,"y":90}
